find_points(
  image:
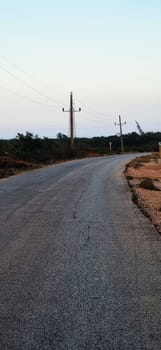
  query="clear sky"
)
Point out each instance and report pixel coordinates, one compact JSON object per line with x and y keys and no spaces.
{"x":108,"y":52}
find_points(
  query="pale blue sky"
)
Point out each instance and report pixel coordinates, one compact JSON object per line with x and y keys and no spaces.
{"x":107,"y":52}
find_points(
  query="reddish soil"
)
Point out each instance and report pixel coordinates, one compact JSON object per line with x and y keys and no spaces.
{"x":144,"y":177}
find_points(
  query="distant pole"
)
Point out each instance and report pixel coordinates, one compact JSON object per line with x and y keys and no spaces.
{"x":71,"y":119}
{"x":122,"y":143}
{"x":121,"y":134}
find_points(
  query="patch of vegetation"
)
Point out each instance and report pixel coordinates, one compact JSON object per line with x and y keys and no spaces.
{"x":137,"y":165}
{"x":32,"y":148}
{"x":129,"y":177}
{"x":10,"y":166}
{"x":8,"y":162}
{"x":148,"y":185}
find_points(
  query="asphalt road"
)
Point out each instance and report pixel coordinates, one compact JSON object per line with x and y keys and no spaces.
{"x":80,"y":266}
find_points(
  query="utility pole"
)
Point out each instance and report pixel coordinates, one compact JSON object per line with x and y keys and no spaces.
{"x":71,"y":112}
{"x":141,"y":132}
{"x":121,"y":134}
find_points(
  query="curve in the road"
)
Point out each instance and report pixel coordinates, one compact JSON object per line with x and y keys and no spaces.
{"x":79,"y":264}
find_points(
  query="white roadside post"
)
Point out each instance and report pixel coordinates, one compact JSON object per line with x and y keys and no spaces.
{"x":110,"y":146}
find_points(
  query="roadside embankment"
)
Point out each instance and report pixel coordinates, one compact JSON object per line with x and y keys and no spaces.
{"x":9,"y":166}
{"x":144,"y":177}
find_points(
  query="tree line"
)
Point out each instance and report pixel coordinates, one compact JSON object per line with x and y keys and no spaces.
{"x":32,"y":148}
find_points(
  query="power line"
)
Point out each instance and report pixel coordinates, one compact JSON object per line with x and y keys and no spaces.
{"x":94,"y":113}
{"x":29,"y":75}
{"x":22,"y":81}
{"x":17,"y":67}
{"x":26,"y":97}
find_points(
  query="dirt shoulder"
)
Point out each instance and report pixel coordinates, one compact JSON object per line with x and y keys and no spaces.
{"x":9,"y":167}
{"x":144,"y":178}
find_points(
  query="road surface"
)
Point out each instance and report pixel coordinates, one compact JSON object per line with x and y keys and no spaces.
{"x":80,"y":266}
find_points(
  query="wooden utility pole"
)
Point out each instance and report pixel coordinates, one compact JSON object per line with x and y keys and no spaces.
{"x":121,"y":134}
{"x":71,"y":119}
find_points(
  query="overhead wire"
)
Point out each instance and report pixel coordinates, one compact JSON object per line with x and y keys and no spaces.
{"x":93,"y":113}
{"x":22,"y":81}
{"x":17,"y":67}
{"x":25,"y":97}
{"x":88,"y":110}
{"x":29,"y":75}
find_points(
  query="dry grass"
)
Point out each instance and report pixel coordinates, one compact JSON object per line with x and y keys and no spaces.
{"x":9,"y":166}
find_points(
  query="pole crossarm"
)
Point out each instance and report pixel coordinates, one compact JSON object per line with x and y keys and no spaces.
{"x":78,"y":110}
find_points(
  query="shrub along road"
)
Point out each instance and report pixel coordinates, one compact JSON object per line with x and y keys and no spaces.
{"x":80,"y":266}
